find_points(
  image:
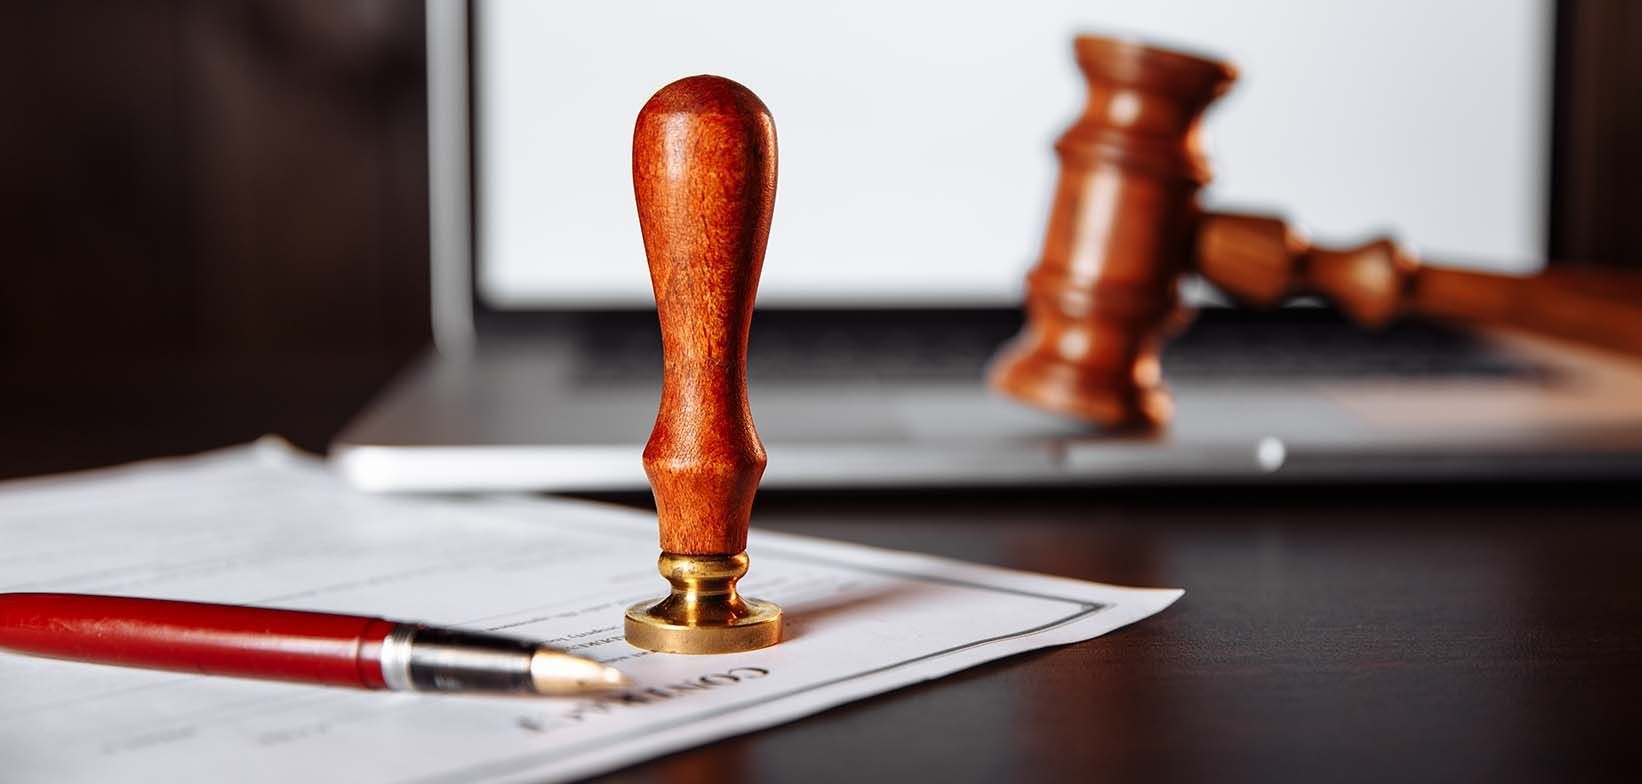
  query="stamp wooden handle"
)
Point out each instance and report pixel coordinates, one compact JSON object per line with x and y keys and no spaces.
{"x":704,"y":177}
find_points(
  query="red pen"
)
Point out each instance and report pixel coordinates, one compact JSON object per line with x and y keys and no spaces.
{"x":289,"y":645}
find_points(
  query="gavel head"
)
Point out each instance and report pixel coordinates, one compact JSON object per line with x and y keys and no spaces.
{"x":1103,"y":295}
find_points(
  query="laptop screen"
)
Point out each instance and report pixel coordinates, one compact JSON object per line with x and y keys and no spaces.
{"x":915,"y":138}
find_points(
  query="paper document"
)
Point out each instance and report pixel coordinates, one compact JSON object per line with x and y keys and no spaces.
{"x":262,"y":525}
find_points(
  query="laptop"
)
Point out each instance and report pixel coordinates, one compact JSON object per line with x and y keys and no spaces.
{"x":916,"y":171}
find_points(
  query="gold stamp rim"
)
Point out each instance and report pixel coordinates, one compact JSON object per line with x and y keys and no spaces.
{"x":760,"y":627}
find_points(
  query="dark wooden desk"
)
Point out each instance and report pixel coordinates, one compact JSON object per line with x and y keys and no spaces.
{"x":1385,"y":634}
{"x":1404,"y":633}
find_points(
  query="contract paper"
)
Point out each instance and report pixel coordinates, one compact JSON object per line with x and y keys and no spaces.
{"x":263,"y":525}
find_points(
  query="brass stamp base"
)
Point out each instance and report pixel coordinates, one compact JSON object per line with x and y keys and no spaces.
{"x":760,"y":629}
{"x":703,"y":614}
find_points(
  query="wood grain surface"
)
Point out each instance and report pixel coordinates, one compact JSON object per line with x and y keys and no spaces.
{"x":1262,"y":261}
{"x":704,"y":170}
{"x":1125,"y":225}
{"x":1384,"y":633}
{"x":1103,"y":291}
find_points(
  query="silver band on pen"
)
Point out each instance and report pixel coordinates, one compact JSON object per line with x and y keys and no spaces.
{"x":396,"y":657}
{"x":425,"y":658}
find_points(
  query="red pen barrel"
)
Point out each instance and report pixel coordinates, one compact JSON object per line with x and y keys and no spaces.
{"x":209,"y":639}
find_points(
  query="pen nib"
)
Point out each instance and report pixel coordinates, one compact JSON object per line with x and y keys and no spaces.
{"x":554,"y":672}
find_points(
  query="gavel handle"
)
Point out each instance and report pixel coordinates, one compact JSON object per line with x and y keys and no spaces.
{"x":1261,"y":261}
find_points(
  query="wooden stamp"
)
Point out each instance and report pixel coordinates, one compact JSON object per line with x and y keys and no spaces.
{"x":704,"y":171}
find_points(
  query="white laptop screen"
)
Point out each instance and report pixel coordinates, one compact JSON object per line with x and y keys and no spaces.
{"x":915,"y":158}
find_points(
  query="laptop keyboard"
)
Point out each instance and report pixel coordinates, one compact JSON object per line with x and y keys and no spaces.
{"x":1321,"y":345}
{"x":1220,"y":344}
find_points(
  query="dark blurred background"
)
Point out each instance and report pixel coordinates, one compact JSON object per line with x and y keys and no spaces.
{"x":216,"y":212}
{"x":217,"y":215}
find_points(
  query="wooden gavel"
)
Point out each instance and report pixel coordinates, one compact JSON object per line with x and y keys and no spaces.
{"x":1125,"y":226}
